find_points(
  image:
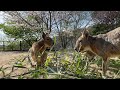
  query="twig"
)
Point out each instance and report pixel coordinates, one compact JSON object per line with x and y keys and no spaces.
{"x":117,"y":74}
{"x":51,"y":70}
{"x":65,"y":75}
{"x":22,"y":74}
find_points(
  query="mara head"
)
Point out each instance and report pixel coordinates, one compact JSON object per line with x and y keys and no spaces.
{"x":47,"y":40}
{"x":82,"y":43}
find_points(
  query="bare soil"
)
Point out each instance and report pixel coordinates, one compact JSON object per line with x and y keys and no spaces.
{"x":7,"y":57}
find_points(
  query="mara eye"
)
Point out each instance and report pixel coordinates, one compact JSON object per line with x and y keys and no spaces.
{"x":47,"y":38}
{"x":80,"y":41}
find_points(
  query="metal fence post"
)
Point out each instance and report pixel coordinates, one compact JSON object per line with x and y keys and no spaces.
{"x":3,"y":46}
{"x":20,"y":46}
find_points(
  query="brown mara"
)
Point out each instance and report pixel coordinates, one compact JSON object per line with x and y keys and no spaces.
{"x":39,"y":48}
{"x":104,"y":45}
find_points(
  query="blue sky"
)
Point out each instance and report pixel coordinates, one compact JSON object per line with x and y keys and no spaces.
{"x":1,"y":17}
{"x":2,"y":35}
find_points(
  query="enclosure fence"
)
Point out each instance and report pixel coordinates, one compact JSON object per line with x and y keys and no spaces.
{"x":14,"y":46}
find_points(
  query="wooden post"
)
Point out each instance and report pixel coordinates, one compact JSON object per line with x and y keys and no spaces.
{"x":20,"y":46}
{"x":3,"y":46}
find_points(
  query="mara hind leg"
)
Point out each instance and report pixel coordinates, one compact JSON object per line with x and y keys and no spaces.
{"x":34,"y":56}
{"x":104,"y":66}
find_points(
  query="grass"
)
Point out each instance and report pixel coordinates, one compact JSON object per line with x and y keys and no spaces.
{"x":64,"y":65}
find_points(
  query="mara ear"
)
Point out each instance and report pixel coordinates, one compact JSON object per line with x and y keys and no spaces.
{"x":43,"y":35}
{"x":47,"y":34}
{"x":85,"y":33}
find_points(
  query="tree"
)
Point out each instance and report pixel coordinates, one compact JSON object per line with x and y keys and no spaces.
{"x":69,"y":21}
{"x":106,"y":20}
{"x":28,"y":25}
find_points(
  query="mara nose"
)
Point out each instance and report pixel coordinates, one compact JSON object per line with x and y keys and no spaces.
{"x":75,"y":49}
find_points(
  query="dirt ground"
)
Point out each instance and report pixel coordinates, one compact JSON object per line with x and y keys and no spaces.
{"x":7,"y":57}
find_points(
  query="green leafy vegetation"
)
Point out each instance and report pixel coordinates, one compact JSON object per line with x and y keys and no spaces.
{"x":63,"y":65}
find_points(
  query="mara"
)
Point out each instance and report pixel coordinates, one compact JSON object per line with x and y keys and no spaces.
{"x":39,"y":49}
{"x":104,"y":45}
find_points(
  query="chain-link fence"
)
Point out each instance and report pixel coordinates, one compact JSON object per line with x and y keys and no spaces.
{"x":14,"y":46}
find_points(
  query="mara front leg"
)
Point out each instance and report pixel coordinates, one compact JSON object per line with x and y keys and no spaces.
{"x":42,"y":60}
{"x":104,"y":65}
